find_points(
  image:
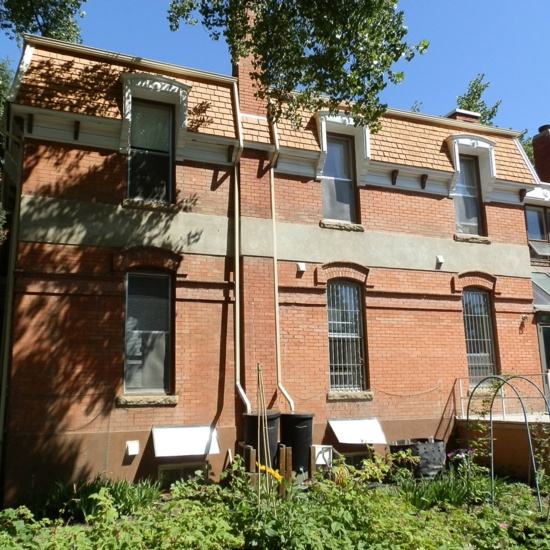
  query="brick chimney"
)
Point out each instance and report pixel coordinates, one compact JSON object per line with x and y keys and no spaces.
{"x":464,"y":116}
{"x":541,"y":152}
{"x":249,"y":104}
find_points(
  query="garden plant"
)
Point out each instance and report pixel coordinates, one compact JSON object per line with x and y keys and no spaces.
{"x":379,"y":505}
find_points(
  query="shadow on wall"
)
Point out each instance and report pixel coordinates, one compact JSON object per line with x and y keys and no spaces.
{"x":68,"y":328}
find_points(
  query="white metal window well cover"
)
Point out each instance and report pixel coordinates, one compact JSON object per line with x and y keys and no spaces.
{"x":358,"y":430}
{"x":185,"y":440}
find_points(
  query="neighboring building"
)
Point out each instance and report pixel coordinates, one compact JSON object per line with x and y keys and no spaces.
{"x":537,"y":221}
{"x":167,"y":239}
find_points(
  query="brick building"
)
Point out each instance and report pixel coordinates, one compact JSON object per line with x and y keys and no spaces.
{"x":166,"y":239}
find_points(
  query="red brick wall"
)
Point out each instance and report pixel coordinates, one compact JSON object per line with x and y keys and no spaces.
{"x":255,"y":192}
{"x":395,"y":211}
{"x":78,"y":173}
{"x":506,"y":223}
{"x":68,"y":358}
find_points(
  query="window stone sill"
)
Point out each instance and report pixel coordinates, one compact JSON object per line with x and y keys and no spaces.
{"x":152,"y":206}
{"x":341,"y":226}
{"x":146,"y":400}
{"x":349,"y":396}
{"x":463,"y":238}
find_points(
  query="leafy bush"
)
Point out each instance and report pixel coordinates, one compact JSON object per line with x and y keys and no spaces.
{"x":76,"y":501}
{"x":345,"y":511}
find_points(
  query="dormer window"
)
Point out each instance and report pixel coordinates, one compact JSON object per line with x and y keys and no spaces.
{"x":468,"y":207}
{"x":473,"y":159}
{"x":338,"y":181}
{"x":153,"y":133}
{"x":150,"y":163}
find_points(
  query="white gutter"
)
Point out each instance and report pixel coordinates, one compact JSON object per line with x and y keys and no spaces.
{"x":115,"y":57}
{"x":273,"y":162}
{"x":237,"y":252}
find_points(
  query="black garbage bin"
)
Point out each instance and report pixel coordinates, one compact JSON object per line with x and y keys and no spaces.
{"x":251,"y":435}
{"x":297,"y":432}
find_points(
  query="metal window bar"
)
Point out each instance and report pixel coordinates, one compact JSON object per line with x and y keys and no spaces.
{"x":346,"y":337}
{"x":479,"y":334}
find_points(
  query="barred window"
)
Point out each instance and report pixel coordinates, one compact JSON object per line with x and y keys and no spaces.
{"x":478,"y":327}
{"x":346,"y":337}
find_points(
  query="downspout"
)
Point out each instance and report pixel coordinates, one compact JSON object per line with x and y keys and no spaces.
{"x":272,"y":164}
{"x":237,"y":252}
{"x":8,"y":309}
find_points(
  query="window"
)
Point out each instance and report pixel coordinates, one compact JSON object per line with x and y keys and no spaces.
{"x":148,"y":333}
{"x":478,"y":328}
{"x":150,"y":160}
{"x":346,"y":337}
{"x":337,"y":180}
{"x":467,"y":198}
{"x":537,"y":221}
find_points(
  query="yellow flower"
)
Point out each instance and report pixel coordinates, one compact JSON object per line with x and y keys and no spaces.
{"x":270,"y":471}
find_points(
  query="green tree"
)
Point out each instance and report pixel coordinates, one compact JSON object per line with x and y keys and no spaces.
{"x":527,"y":144}
{"x":472,"y":100}
{"x":50,"y":18}
{"x":328,"y":54}
{"x":6,"y":76}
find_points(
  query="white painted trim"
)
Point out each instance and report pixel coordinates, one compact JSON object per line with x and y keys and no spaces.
{"x":155,"y":88}
{"x":21,"y":72}
{"x":527,"y":161}
{"x":344,"y":125}
{"x":104,"y":134}
{"x":478,"y":146}
{"x":540,"y":195}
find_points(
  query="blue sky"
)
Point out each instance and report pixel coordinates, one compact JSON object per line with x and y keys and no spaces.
{"x":505,"y":39}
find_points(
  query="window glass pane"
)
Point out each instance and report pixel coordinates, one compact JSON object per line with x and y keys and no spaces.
{"x":338,"y":161}
{"x":467,"y":199}
{"x":467,"y":215}
{"x":150,"y":128}
{"x":467,"y":179}
{"x":150,"y":159}
{"x":346,"y":339}
{"x":148,"y":301}
{"x":534,"y":219}
{"x":479,"y":334}
{"x":338,"y":199}
{"x":149,"y":175}
{"x":148,"y":339}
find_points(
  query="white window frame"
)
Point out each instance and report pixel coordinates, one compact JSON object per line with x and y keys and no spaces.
{"x":539,"y":247}
{"x":331,"y":184}
{"x":471,"y":191}
{"x":169,"y":155}
{"x":159,"y":89}
{"x":473,"y":145}
{"x":336,"y":123}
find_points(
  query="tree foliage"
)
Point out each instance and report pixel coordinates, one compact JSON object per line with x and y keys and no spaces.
{"x":6,"y":76}
{"x":328,"y":54}
{"x":49,"y":18}
{"x":472,"y":100}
